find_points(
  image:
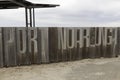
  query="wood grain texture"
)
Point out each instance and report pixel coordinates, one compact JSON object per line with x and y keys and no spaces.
{"x":22,"y":46}
{"x":9,"y":47}
{"x":44,"y":45}
{"x":26,"y":46}
{"x":33,"y":45}
{"x":1,"y":49}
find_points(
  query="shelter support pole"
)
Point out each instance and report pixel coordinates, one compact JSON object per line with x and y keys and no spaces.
{"x":33,"y":17}
{"x":26,"y":17}
{"x":30,"y":17}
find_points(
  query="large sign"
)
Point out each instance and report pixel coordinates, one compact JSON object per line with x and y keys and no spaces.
{"x":79,"y":43}
{"x":25,"y":46}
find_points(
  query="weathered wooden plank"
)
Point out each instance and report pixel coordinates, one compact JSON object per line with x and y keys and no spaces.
{"x":71,"y":54}
{"x":78,"y":43}
{"x":44,"y":45}
{"x":98,"y":42}
{"x":39,"y":61}
{"x":53,"y":44}
{"x":1,"y":49}
{"x":108,"y":42}
{"x":62,"y":44}
{"x":86,"y":42}
{"x":114,"y":45}
{"x":103,"y":45}
{"x":61,"y":47}
{"x":92,"y":48}
{"x":118,"y":40}
{"x":34,"y":55}
{"x":9,"y":46}
{"x":22,"y":46}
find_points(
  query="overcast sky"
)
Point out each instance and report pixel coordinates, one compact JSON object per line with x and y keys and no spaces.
{"x":70,"y":13}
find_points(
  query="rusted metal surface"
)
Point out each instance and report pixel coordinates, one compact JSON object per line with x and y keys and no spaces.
{"x":26,"y":46}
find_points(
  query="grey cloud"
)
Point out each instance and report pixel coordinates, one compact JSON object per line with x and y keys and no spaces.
{"x":71,"y":12}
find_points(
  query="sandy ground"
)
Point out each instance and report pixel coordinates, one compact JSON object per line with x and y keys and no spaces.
{"x":89,"y":69}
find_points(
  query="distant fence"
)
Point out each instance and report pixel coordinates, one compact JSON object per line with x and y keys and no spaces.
{"x":25,"y":46}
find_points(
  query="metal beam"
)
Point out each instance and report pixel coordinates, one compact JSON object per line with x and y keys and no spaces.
{"x":26,"y":16}
{"x":29,"y":8}
{"x":33,"y":17}
{"x":18,"y":3}
{"x":30,"y":17}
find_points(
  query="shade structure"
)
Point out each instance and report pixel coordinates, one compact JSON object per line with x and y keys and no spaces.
{"x":29,"y":8}
{"x":11,"y":4}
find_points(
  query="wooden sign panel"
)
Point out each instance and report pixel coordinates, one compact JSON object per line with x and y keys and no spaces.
{"x":26,"y":46}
